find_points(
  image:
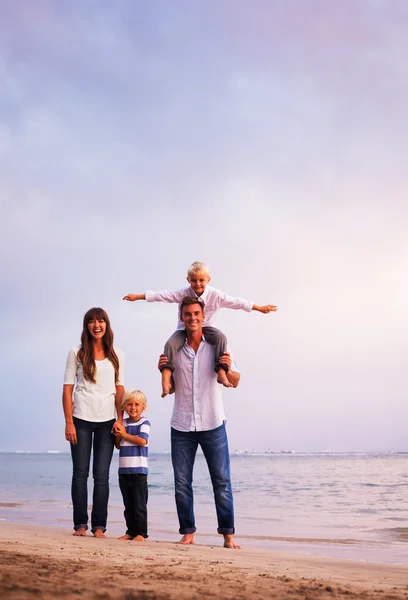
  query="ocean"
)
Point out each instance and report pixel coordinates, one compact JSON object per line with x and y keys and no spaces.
{"x":350,"y":506}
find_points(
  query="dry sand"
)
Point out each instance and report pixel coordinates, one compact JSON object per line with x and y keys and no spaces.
{"x":51,"y":563}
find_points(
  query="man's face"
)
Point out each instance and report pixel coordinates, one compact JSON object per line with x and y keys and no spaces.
{"x":192,"y":317}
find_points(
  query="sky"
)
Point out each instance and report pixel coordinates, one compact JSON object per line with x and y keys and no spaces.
{"x":266,"y":139}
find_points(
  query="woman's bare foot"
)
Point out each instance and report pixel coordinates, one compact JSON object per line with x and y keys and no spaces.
{"x":229,"y":542}
{"x":98,"y":533}
{"x":139,"y":538}
{"x":79,"y":532}
{"x":187,"y":538}
{"x":126,"y":537}
{"x":222,"y":378}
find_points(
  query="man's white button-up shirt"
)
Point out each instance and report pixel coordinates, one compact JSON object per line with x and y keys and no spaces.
{"x":198,"y":404}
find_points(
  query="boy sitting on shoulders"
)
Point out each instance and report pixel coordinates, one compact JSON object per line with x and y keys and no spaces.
{"x":198,"y":276}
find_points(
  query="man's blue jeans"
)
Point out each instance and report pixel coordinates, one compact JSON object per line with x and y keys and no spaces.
{"x":99,"y":437}
{"x":214,"y":444}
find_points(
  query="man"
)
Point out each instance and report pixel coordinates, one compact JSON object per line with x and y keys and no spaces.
{"x":198,"y":419}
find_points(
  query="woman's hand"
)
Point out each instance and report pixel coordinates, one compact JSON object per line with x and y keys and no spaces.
{"x":119,"y":429}
{"x":70,"y":433}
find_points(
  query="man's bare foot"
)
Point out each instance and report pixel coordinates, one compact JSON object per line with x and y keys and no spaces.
{"x":139,"y":538}
{"x":80,"y":532}
{"x":125,"y":537}
{"x":166,"y":382}
{"x":229,"y":542}
{"x":222,"y":378}
{"x":98,"y":533}
{"x":187,"y":538}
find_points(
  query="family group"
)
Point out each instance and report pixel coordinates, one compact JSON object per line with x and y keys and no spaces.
{"x":195,"y":361}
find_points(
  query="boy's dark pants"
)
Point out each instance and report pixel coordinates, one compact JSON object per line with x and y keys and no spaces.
{"x":213,"y":336}
{"x":134,"y":493}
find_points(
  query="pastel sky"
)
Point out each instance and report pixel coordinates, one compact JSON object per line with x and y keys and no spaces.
{"x":265,"y":138}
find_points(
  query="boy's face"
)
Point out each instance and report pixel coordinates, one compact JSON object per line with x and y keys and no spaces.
{"x":198,"y":282}
{"x":134,"y":408}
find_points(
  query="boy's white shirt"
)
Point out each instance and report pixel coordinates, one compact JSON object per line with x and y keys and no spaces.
{"x":213,"y":300}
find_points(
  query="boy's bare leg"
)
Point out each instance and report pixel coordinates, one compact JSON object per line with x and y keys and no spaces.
{"x":98,"y":533}
{"x":229,"y":542}
{"x":222,"y":378}
{"x":126,"y":537}
{"x":188,"y":538}
{"x":79,"y":532}
{"x":166,"y":382}
{"x":139,"y":538}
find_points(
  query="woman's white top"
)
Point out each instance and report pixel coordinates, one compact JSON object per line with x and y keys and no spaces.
{"x":93,"y":402}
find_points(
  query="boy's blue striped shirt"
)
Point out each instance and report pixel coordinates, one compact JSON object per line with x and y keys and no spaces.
{"x":133,"y":458}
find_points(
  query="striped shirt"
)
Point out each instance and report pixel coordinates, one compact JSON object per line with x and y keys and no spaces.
{"x":133,"y":458}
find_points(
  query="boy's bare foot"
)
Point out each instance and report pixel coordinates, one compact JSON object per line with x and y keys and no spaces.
{"x":229,"y":542}
{"x":222,"y":378}
{"x":126,"y":537}
{"x":139,"y":538}
{"x":166,"y":382}
{"x":80,"y":532}
{"x":98,"y":533}
{"x":187,"y":538}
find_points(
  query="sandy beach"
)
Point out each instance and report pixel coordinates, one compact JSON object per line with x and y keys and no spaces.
{"x":50,"y":562}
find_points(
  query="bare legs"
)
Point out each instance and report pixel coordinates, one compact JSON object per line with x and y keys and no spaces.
{"x":167,"y":384}
{"x":222,"y":378}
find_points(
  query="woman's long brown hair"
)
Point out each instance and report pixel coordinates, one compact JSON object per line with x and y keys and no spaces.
{"x":85,"y":354}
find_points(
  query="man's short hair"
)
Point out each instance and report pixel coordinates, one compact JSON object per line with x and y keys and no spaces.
{"x":188,"y":300}
{"x":198,"y":267}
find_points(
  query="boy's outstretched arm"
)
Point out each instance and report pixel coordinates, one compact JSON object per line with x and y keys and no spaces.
{"x":267,"y":308}
{"x":133,"y":297}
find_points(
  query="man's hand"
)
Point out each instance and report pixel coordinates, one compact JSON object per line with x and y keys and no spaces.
{"x":70,"y":433}
{"x":162,"y":361}
{"x":225,"y":359}
{"x":130,"y":297}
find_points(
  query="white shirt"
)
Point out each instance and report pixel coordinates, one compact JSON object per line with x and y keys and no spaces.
{"x":198,"y":404}
{"x":213,"y":299}
{"x":93,"y":402}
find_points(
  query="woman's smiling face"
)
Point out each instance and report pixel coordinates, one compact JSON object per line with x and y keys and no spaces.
{"x":97,"y":328}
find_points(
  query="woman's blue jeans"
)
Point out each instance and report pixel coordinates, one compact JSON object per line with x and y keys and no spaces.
{"x":99,"y":438}
{"x":214,"y":444}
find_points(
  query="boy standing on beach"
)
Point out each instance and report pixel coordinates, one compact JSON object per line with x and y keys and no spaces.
{"x":132,"y":440}
{"x":198,"y":276}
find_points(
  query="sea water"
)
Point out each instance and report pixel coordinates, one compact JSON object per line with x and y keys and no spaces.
{"x":351,"y":506}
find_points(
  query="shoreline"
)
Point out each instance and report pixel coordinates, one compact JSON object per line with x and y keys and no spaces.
{"x":44,"y":562}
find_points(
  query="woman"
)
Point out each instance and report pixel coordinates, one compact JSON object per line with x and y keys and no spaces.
{"x":92,"y":394}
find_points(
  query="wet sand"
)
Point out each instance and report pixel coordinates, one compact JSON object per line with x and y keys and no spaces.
{"x":50,"y":562}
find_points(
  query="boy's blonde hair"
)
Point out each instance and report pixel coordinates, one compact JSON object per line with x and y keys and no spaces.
{"x":134,"y":395}
{"x":198,"y":267}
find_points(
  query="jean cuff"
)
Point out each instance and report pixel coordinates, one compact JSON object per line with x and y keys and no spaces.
{"x":226,"y":530}
{"x":187,"y":530}
{"x":84,"y":526}
{"x":103,"y":529}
